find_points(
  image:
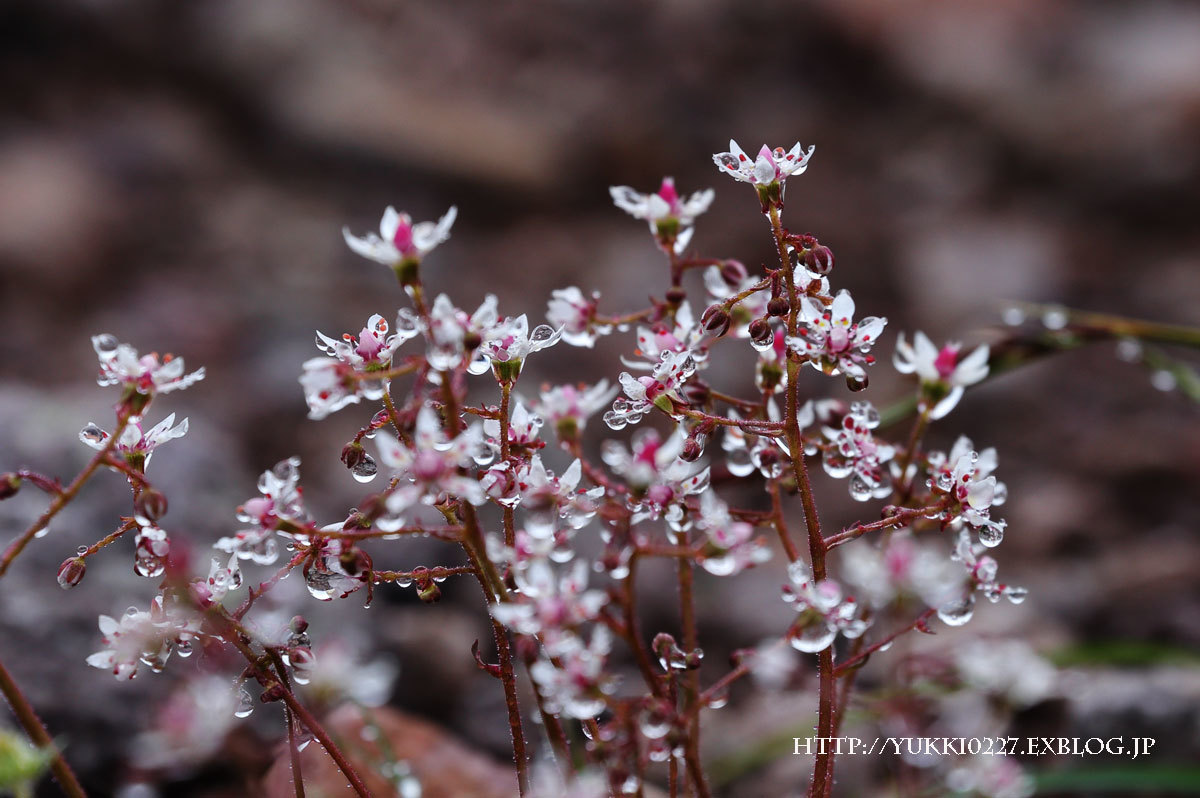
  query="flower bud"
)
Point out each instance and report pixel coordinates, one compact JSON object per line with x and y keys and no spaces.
{"x":298,"y":624}
{"x":471,"y":340}
{"x":779,"y":306}
{"x":353,"y":454}
{"x":151,"y":504}
{"x":692,"y":449}
{"x":71,"y":572}
{"x":10,"y":483}
{"x":761,"y":332}
{"x":818,"y":260}
{"x":715,"y":320}
{"x":429,"y":592}
{"x":675,"y":296}
{"x":733,"y":272}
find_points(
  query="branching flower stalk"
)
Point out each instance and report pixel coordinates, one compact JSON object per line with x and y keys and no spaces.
{"x":462,"y":451}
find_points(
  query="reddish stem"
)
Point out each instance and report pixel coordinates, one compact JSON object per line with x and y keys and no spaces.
{"x":38,"y":735}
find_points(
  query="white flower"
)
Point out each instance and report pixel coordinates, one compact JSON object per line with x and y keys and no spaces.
{"x":662,"y":204}
{"x":567,"y":407}
{"x":121,"y":365}
{"x":280,"y":506}
{"x":855,"y":453}
{"x":966,"y":477}
{"x":823,"y":611}
{"x":832,"y":342}
{"x":575,"y":314}
{"x":661,"y":389}
{"x":431,"y":466}
{"x":450,"y":330}
{"x":683,"y":336}
{"x":550,"y":604}
{"x":135,"y":444}
{"x":340,"y":672}
{"x":578,"y":686}
{"x":769,"y":167}
{"x":399,"y":239}
{"x":330,"y":383}
{"x":190,"y":726}
{"x":731,"y":544}
{"x":508,"y":342}
{"x":943,"y":374}
{"x":144,"y":637}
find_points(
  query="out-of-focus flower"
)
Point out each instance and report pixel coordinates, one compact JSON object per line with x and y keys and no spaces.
{"x":280,"y":508}
{"x":148,"y":638}
{"x":339,"y":672}
{"x":823,"y":612}
{"x":1009,"y":669}
{"x":904,"y":568}
{"x":431,"y":465}
{"x":942,"y":372}
{"x":731,"y":546}
{"x":451,"y":335}
{"x":399,"y":239}
{"x":146,"y":375}
{"x":550,"y":604}
{"x":578,"y":688}
{"x":670,"y":216}
{"x":575,"y":314}
{"x":568,"y":407}
{"x":189,"y":728}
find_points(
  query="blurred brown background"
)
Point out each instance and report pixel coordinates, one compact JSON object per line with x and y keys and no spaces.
{"x":178,"y":174}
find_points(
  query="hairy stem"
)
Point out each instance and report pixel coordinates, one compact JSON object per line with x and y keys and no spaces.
{"x":38,"y":735}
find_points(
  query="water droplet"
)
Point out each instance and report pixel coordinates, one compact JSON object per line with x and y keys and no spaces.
{"x":366,"y":469}
{"x":542,"y":334}
{"x":105,"y":344}
{"x":817,"y":636}
{"x":857,"y":384}
{"x":1013,"y":316}
{"x":1054,"y":318}
{"x":92,"y":434}
{"x":245,"y":704}
{"x":958,"y":612}
{"x":991,"y":536}
{"x":1163,"y":380}
{"x":1129,"y":350}
{"x":82,"y":550}
{"x":1016,"y":594}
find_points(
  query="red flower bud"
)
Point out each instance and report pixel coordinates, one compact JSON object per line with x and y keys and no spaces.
{"x":71,"y":572}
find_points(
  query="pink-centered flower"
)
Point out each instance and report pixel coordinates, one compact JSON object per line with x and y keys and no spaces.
{"x":823,"y":610}
{"x":136,"y":444}
{"x":345,"y":375}
{"x":568,"y":407}
{"x":769,"y":166}
{"x":147,"y":638}
{"x":431,"y":466}
{"x":731,"y":546}
{"x":399,"y":239}
{"x":943,"y":373}
{"x":574,"y":313}
{"x":148,"y":374}
{"x":280,"y":507}
{"x":831,"y":341}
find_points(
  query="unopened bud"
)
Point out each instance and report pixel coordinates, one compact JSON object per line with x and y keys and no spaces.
{"x":691,"y":450}
{"x":353,"y":454}
{"x":675,"y":296}
{"x":819,"y":260}
{"x":715,"y":320}
{"x":663,"y":645}
{"x":298,"y":624}
{"x":429,"y":592}
{"x":10,"y":483}
{"x":760,"y":332}
{"x":779,"y":306}
{"x":693,"y":659}
{"x":71,"y":572}
{"x":150,"y":504}
{"x":733,"y":272}
{"x":471,"y":340}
